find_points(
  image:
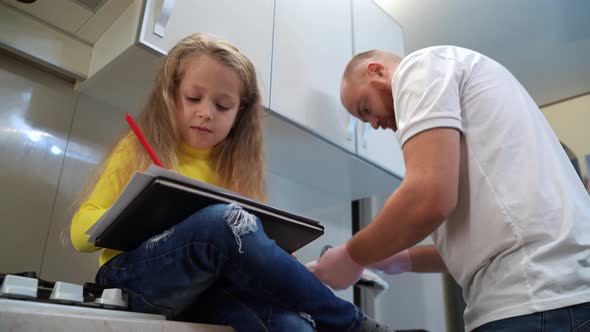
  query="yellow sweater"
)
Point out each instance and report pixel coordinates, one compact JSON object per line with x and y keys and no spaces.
{"x":191,"y":162}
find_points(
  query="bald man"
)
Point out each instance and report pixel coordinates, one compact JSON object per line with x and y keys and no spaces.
{"x":486,"y":177}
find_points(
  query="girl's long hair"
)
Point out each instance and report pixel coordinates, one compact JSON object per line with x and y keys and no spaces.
{"x":239,"y":158}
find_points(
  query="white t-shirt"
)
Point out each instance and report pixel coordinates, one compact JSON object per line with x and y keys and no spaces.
{"x":519,"y":239}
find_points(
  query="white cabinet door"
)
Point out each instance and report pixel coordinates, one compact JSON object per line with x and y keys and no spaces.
{"x":312,"y":45}
{"x":373,"y":28}
{"x":245,"y":24}
{"x":380,"y":147}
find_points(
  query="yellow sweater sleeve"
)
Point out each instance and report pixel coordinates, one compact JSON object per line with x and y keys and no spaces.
{"x":107,"y":189}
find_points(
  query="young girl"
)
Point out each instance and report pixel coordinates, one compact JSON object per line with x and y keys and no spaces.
{"x":203,"y":119}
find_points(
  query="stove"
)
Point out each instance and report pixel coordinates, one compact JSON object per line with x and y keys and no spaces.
{"x":27,"y":289}
{"x":29,"y":303}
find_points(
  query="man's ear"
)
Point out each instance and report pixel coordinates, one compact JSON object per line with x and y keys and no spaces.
{"x":376,"y":69}
{"x":377,"y":74}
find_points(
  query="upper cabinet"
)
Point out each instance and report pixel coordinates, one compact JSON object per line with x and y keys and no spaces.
{"x":312,"y":45}
{"x":51,"y":12}
{"x":126,"y":57}
{"x":373,"y":29}
{"x":84,"y":19}
{"x":246,"y":24}
{"x":57,"y":34}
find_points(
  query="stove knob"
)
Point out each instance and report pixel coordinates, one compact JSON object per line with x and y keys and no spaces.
{"x":19,"y":287}
{"x":67,"y":293}
{"x":113,"y":298}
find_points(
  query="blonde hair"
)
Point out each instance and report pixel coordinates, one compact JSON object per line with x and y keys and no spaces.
{"x":238,"y":158}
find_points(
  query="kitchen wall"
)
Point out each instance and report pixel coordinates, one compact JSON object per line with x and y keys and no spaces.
{"x":36,"y":111}
{"x":413,"y":300}
{"x":423,"y":297}
{"x":544,"y":43}
{"x":570,"y":120}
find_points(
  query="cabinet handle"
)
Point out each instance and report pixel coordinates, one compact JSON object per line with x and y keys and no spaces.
{"x":351,"y":126}
{"x":162,"y":21}
{"x":366,"y":131}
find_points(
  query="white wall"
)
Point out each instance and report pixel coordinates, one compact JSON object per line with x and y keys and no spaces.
{"x":333,"y":212}
{"x":35,"y":116}
{"x":413,"y":300}
{"x":95,"y":128}
{"x":544,"y":43}
{"x":571,"y":122}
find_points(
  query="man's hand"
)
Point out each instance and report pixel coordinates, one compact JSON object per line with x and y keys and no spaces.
{"x":336,"y":268}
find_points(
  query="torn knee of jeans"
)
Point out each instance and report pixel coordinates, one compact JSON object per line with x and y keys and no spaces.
{"x":240,"y":221}
{"x":153,"y":241}
{"x":308,"y":318}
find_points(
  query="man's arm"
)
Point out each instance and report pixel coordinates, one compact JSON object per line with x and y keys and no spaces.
{"x":426,"y":259}
{"x":427,"y":195}
{"x":416,"y":259}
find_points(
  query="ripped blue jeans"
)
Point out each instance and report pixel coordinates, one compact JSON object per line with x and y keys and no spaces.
{"x":219,"y":267}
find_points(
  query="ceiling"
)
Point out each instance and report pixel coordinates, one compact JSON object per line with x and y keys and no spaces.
{"x":544,"y":43}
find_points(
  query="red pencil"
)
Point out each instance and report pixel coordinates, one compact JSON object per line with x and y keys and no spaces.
{"x":142,"y":140}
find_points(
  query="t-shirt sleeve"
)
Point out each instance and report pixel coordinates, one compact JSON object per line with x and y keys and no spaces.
{"x":426,"y":94}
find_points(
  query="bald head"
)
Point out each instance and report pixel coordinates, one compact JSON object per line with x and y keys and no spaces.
{"x":361,"y":60}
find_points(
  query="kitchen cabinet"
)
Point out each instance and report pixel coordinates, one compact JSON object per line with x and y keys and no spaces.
{"x":58,"y":34}
{"x":312,"y":45}
{"x":373,"y":28}
{"x":125,"y":59}
{"x":52,"y":12}
{"x":299,"y":49}
{"x":246,"y":24}
{"x":84,"y":19}
{"x":36,"y":42}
